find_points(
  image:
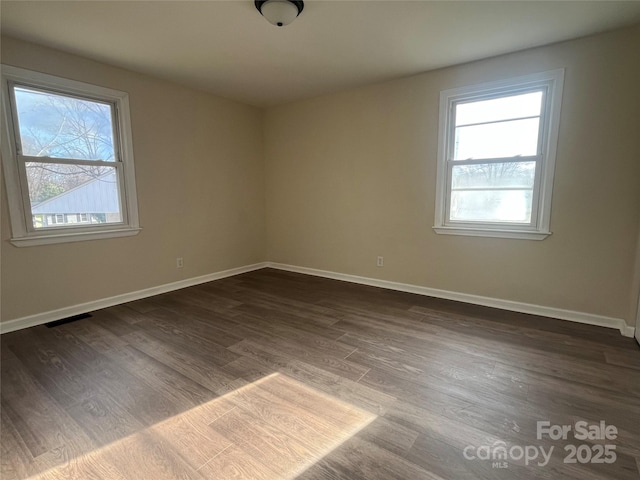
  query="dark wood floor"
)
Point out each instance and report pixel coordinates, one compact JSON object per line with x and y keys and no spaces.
{"x":272,"y":375}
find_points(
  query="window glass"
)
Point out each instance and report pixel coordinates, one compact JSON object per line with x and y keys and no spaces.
{"x":491,"y":205}
{"x":502,"y":108}
{"x":66,"y":189}
{"x":497,"y":140}
{"x":60,"y":126}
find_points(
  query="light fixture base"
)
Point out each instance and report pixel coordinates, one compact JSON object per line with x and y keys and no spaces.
{"x":279,"y":12}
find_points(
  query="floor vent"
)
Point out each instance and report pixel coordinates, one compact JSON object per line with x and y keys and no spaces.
{"x":67,"y":320}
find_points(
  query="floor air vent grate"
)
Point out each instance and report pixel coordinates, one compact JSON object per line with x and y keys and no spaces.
{"x":67,"y":320}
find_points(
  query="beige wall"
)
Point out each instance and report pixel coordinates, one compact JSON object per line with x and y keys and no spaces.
{"x":200,"y":180}
{"x":351,"y":176}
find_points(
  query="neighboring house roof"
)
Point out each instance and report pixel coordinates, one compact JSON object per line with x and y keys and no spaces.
{"x":99,"y":195}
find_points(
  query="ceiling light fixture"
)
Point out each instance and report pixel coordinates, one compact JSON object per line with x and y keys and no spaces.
{"x":279,"y":12}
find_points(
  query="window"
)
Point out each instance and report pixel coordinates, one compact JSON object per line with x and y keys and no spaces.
{"x":496,"y":157}
{"x":66,"y":149}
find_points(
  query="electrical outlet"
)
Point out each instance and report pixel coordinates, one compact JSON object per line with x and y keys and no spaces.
{"x":179,"y":262}
{"x":380,"y":262}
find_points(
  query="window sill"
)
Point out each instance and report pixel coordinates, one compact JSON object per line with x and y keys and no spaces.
{"x":495,"y":233}
{"x":72,"y":237}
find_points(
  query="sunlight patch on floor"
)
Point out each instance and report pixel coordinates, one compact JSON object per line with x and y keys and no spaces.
{"x":273,"y":428}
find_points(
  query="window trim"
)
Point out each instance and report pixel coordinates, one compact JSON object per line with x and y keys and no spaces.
{"x":23,"y":233}
{"x":541,"y":203}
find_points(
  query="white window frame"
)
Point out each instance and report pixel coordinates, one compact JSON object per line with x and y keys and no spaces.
{"x":538,"y":229}
{"x":23,"y":231}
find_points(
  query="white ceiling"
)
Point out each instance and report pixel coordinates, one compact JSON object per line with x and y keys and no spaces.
{"x":227,"y":48}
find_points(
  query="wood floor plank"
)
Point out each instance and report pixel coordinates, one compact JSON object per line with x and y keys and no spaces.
{"x":47,"y":365}
{"x":144,"y":305}
{"x":199,"y":366}
{"x":191,"y":437}
{"x":181,"y":390}
{"x":389,"y":435}
{"x":198,"y":321}
{"x":148,"y":455}
{"x":171,"y":328}
{"x":72,"y":350}
{"x":347,"y":390}
{"x":93,"y":335}
{"x":274,"y":317}
{"x":198,"y":297}
{"x":290,"y":351}
{"x":322,"y":470}
{"x":411,"y":392}
{"x":414,"y":361}
{"x":365,"y":460}
{"x":268,"y":444}
{"x":248,"y":369}
{"x":332,"y":410}
{"x":104,"y":420}
{"x":41,"y":423}
{"x":127,"y":314}
{"x":15,"y":456}
{"x":624,"y":358}
{"x":90,"y":466}
{"x":135,"y":395}
{"x":112,"y":322}
{"x":320,"y":424}
{"x":29,"y":438}
{"x":235,"y":464}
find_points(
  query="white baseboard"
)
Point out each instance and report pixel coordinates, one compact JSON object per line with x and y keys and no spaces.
{"x":50,"y":316}
{"x":573,"y":316}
